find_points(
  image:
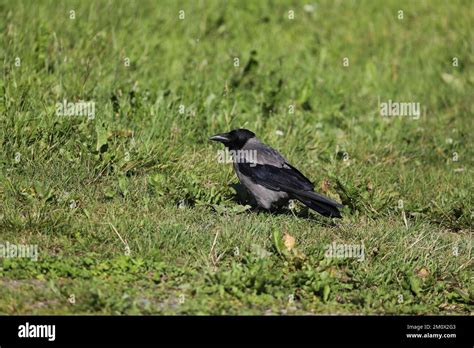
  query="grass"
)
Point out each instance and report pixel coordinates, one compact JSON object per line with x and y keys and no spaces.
{"x":130,"y":210}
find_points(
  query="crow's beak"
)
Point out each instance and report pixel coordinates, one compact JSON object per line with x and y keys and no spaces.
{"x":223,"y":138}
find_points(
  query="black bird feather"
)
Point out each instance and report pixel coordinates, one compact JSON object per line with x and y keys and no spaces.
{"x":293,"y":182}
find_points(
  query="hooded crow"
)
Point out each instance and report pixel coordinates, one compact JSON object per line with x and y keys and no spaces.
{"x":268,"y":176}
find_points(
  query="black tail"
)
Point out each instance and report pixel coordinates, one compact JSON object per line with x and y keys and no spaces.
{"x":323,"y":205}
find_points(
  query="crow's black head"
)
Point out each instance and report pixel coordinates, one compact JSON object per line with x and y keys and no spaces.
{"x":235,"y":139}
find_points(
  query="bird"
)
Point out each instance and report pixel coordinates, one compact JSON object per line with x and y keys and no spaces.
{"x":268,"y":176}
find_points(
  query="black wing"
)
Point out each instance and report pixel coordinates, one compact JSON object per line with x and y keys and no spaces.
{"x":290,"y":180}
{"x":276,"y":178}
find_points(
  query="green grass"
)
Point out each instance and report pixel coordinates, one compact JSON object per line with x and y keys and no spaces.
{"x":130,"y":210}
